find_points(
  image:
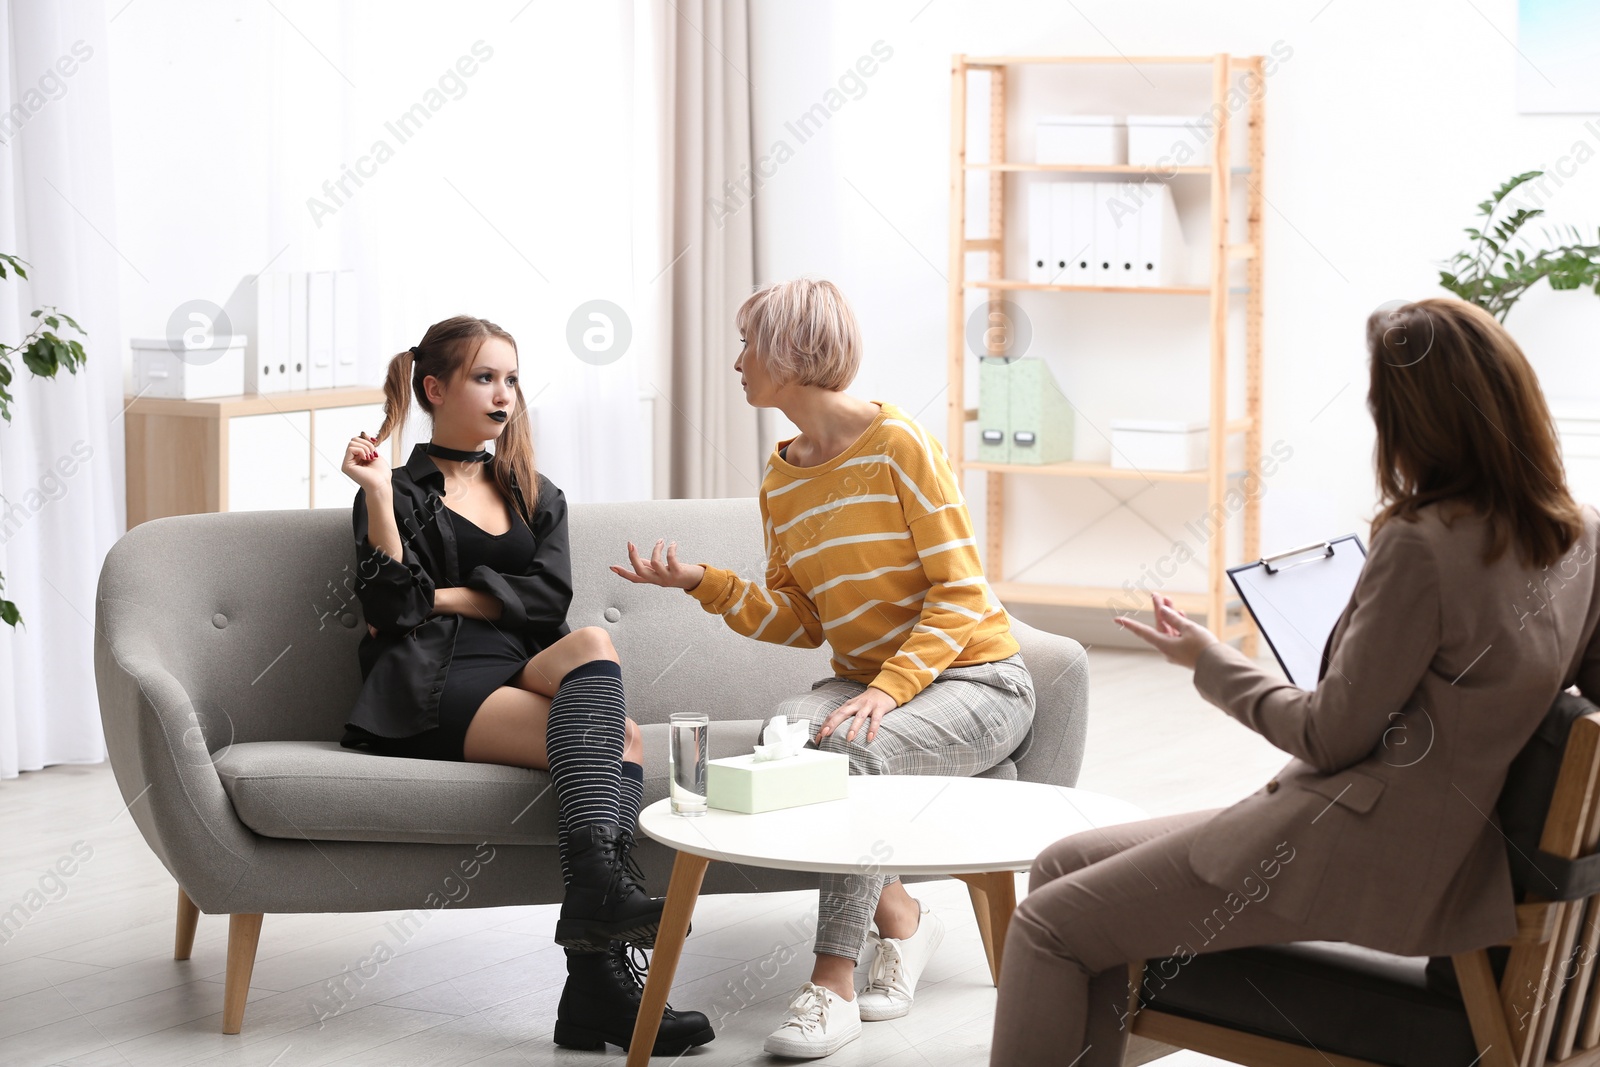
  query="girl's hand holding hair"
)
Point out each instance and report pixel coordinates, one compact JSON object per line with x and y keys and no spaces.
{"x":361,"y":464}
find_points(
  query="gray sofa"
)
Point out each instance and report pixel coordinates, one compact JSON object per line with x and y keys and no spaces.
{"x":225,"y":658}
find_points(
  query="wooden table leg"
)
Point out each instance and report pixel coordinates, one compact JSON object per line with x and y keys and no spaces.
{"x":688,"y":871}
{"x":980,"y":908}
{"x":994,"y":898}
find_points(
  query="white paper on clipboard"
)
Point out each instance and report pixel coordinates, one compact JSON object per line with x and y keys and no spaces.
{"x":1296,"y":598}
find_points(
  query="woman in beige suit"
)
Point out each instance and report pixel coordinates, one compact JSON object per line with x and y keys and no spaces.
{"x":1477,"y":606}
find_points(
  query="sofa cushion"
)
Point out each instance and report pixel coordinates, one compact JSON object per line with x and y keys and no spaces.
{"x":321,"y":791}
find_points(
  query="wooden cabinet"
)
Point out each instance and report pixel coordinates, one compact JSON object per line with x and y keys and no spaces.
{"x":267,"y":461}
{"x":246,"y":453}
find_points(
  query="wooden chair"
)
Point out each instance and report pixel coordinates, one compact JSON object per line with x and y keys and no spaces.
{"x":1530,"y":1003}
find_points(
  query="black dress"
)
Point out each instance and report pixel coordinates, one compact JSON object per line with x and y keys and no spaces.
{"x":485,"y":656}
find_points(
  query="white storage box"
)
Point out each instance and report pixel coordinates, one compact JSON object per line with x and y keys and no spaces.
{"x":1083,"y":139}
{"x":1159,"y":444}
{"x":1153,"y":139}
{"x":167,"y":369}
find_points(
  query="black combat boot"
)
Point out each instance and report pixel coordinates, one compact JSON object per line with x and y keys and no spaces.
{"x":603,"y":902}
{"x":601,"y":1001}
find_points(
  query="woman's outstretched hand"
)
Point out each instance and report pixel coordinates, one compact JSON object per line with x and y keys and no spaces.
{"x":657,"y":571}
{"x":1174,"y":636}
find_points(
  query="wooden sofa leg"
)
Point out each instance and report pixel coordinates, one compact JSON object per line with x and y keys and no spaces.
{"x":188,"y":917}
{"x":244,"y":932}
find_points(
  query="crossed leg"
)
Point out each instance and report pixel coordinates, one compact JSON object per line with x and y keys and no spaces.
{"x":510,"y":725}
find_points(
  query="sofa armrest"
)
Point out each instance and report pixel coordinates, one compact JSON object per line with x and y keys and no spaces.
{"x":1053,"y":750}
{"x":156,"y":738}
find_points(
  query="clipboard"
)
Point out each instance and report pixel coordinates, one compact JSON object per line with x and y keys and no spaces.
{"x":1296,"y":598}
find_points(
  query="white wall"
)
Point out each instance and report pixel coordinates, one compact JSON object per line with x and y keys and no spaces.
{"x":1386,"y":124}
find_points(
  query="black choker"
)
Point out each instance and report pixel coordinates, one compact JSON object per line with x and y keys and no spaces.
{"x":442,"y":452}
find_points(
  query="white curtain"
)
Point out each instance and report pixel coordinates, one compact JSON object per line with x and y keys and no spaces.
{"x":61,"y":455}
{"x":696,"y":233}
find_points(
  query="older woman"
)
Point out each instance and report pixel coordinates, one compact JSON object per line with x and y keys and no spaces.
{"x":869,"y":548}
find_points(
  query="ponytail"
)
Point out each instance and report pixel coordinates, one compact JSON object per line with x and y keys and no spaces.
{"x":396,"y":395}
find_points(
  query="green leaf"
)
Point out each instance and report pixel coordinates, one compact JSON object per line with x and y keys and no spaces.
{"x":1495,"y":275}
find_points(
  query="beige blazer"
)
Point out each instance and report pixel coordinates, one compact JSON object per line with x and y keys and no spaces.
{"x":1438,"y":672}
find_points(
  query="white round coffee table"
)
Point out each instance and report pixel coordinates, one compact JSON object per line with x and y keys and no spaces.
{"x":980,"y":830}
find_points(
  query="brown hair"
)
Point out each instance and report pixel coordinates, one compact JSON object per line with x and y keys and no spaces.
{"x":1460,"y":417}
{"x":446,"y":351}
{"x":805,"y":331}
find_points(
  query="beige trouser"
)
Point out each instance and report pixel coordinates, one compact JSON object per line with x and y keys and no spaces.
{"x":1097,"y":901}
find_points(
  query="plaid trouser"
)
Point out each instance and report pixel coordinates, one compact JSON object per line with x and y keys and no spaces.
{"x":965,"y":721}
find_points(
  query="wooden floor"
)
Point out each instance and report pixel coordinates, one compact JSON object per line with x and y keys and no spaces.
{"x":89,"y":978}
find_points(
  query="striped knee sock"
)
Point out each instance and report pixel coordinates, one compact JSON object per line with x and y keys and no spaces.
{"x":583,"y":746}
{"x":632,"y":784}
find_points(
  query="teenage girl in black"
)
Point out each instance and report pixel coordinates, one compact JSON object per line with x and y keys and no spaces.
{"x":465,"y":582}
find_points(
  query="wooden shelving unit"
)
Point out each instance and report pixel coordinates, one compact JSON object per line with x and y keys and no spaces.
{"x":1217,"y":605}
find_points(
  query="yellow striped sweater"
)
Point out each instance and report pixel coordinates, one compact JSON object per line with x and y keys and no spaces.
{"x":873,"y":552}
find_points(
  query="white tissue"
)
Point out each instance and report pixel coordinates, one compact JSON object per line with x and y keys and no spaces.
{"x":781,"y":738}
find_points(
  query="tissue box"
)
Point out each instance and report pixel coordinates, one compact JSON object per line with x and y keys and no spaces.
{"x":739,"y":783}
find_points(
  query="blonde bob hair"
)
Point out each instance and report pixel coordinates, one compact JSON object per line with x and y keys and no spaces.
{"x":804,"y":331}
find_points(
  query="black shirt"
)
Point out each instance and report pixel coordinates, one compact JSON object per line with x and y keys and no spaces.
{"x":403,"y":667}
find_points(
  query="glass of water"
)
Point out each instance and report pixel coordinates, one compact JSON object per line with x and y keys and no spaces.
{"x":686,"y":762}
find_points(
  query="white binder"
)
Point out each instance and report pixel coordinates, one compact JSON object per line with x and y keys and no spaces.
{"x":1162,"y":256}
{"x":1127,"y":211}
{"x":319,"y":330}
{"x":266,"y":359}
{"x":1297,"y":597}
{"x":295,"y":350}
{"x":345,"y":346}
{"x":1081,"y":269}
{"x":1041,"y":269}
{"x":1103,"y":261}
{"x":1063,"y":241}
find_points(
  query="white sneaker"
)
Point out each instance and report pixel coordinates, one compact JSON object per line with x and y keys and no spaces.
{"x":820,"y":1022}
{"x":892,"y":979}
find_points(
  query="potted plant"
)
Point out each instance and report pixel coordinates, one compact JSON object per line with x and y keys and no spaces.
{"x":1501,"y":265}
